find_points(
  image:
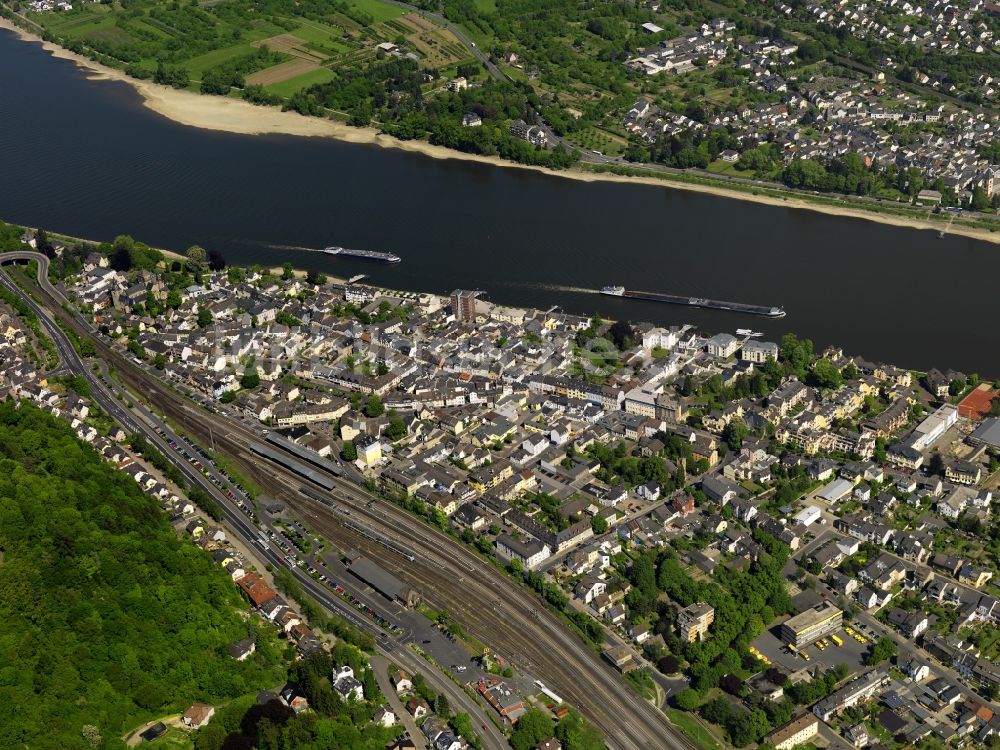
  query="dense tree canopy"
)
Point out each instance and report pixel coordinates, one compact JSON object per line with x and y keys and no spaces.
{"x":108,"y":619}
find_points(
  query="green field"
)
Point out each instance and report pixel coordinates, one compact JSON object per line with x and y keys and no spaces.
{"x":378,"y":10}
{"x":151,"y":35}
{"x":289,"y":87}
{"x":198,"y":65}
{"x":692,"y":729}
{"x":174,"y":739}
{"x":79,"y":25}
{"x":595,"y":139}
{"x":322,"y":34}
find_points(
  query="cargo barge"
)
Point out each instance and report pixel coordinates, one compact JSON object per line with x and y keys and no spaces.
{"x":363,"y":254}
{"x":704,"y":302}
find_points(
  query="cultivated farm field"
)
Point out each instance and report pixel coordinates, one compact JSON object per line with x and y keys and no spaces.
{"x":223,"y":40}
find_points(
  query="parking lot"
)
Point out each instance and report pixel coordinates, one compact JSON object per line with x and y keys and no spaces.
{"x":850,"y":653}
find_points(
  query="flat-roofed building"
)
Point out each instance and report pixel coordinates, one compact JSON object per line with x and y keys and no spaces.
{"x":811,"y":625}
{"x":933,"y":427}
{"x":693,"y":621}
{"x":381,"y":580}
{"x":988,"y":432}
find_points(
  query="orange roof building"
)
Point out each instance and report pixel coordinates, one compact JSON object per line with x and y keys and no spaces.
{"x":256,"y":589}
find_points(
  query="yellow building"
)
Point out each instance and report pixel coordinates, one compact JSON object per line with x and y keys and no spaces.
{"x":369,"y":449}
{"x":794,"y":733}
{"x":693,"y":621}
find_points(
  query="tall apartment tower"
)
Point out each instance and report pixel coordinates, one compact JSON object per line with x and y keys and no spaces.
{"x":463,"y":304}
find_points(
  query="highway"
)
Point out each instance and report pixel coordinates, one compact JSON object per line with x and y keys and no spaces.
{"x":448,"y":574}
{"x":142,"y":421}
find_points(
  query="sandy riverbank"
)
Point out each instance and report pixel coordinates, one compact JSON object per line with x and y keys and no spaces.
{"x":237,"y":116}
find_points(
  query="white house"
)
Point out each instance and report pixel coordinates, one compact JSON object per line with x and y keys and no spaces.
{"x":723,"y":345}
{"x":759,"y":351}
{"x":346,"y":685}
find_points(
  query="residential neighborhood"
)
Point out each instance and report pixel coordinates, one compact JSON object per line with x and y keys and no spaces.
{"x":542,"y":443}
{"x":828,"y":113}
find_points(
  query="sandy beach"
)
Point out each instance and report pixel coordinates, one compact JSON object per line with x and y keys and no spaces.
{"x":237,"y":116}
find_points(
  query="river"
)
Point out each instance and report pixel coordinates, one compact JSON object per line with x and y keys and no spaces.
{"x":86,"y":158}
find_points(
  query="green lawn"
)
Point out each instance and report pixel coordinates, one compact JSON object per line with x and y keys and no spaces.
{"x":378,"y":10}
{"x":724,"y":167}
{"x":289,"y":87}
{"x":692,"y":729}
{"x":515,"y":74}
{"x":174,"y":739}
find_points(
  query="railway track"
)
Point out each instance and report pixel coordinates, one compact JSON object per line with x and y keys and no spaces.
{"x":447,"y":573}
{"x":448,"y":580}
{"x":485,"y":621}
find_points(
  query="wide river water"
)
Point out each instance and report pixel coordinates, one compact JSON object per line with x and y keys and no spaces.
{"x":86,"y":158}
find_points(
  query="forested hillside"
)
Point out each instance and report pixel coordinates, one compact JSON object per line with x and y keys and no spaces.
{"x":107,"y":619}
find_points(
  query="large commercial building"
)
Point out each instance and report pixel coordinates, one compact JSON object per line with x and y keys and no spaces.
{"x":933,"y":427}
{"x":811,"y":625}
{"x":381,"y":580}
{"x":794,"y":733}
{"x":988,"y":432}
{"x":693,"y":621}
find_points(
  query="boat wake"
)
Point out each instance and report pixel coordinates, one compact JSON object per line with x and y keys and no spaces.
{"x":294,"y":247}
{"x":562,"y":288}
